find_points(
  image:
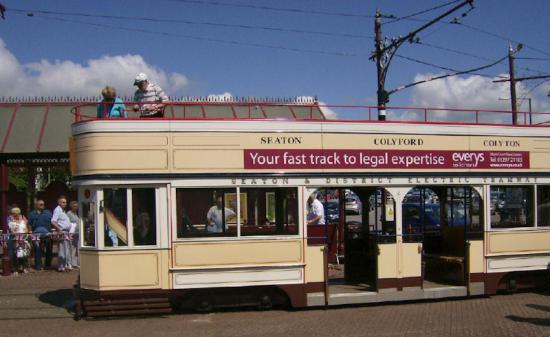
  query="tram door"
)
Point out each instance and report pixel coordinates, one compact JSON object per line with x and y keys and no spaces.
{"x":367,"y":235}
{"x":359,"y":228}
{"x":444,"y":219}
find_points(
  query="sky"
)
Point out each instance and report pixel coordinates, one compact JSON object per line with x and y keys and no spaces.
{"x":268,"y":48}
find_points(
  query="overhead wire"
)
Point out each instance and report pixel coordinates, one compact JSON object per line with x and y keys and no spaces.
{"x":251,"y":44}
{"x":483,"y":31}
{"x":276,"y":9}
{"x":461,"y":52}
{"x":447,"y":75}
{"x":191,"y":22}
{"x":533,"y":88}
{"x":411,"y":59}
{"x":420,"y":12}
{"x":201,"y":38}
{"x":502,"y":37}
{"x":303,"y":11}
{"x":533,"y":58}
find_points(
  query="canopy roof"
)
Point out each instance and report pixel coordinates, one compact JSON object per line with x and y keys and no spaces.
{"x":32,"y":128}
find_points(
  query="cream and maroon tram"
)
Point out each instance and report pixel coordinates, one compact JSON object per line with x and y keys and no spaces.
{"x":205,"y":211}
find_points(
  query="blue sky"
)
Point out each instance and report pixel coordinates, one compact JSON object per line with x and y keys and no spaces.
{"x":209,"y":67}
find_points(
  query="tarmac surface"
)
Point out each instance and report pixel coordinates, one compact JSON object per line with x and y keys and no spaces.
{"x":35,"y":305}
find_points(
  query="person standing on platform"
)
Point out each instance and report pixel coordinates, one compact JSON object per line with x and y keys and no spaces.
{"x":40,"y":221}
{"x":111,"y":106}
{"x":62,"y":224}
{"x":19,"y":227}
{"x":75,"y":232}
{"x":146,"y":96}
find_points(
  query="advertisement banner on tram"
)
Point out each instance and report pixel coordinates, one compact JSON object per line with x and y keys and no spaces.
{"x":383,"y":159}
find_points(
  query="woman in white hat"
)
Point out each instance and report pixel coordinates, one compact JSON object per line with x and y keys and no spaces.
{"x":18,"y":225}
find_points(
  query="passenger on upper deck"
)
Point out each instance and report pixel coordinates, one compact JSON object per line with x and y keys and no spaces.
{"x":148,"y":92}
{"x":111,"y":106}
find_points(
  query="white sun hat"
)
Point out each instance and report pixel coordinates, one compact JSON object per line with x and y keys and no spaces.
{"x":140,"y":78}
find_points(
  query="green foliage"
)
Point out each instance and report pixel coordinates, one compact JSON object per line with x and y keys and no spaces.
{"x":19,"y":179}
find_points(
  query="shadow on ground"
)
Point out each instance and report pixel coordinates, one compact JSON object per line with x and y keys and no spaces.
{"x":533,"y":320}
{"x":62,"y":298}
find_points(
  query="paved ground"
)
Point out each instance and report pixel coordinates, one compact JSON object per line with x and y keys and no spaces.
{"x":32,"y":305}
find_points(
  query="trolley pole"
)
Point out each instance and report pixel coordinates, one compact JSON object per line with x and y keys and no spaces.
{"x":380,"y":93}
{"x":513,"y":98}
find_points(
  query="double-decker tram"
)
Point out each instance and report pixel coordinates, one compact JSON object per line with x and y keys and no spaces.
{"x":269,"y":204}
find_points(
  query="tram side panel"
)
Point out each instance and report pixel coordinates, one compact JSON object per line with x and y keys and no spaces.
{"x":512,"y":253}
{"x":124,"y":270}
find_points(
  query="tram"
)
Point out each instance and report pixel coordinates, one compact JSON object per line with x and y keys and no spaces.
{"x":211,"y":206}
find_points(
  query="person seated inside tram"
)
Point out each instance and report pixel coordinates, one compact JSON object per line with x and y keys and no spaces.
{"x":290,"y":220}
{"x":111,"y":106}
{"x":144,"y":231}
{"x":214,"y":218}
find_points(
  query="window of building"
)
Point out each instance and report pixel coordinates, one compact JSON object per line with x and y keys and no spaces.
{"x":115,"y":219}
{"x":206,"y":212}
{"x":511,"y":206}
{"x":144,"y":216}
{"x":269,"y":211}
{"x":543,"y":205}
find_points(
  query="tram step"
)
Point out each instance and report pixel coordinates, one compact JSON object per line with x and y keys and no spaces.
{"x":116,"y":307}
{"x":136,"y":312}
{"x":125,"y":301}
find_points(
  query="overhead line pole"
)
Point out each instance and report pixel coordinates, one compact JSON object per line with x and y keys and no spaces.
{"x":382,"y":96}
{"x":513,"y":98}
{"x":384,"y":53}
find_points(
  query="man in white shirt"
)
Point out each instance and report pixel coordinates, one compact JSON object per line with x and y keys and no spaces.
{"x":315,"y":211}
{"x":214,"y":218}
{"x":62,"y":224}
{"x":148,"y":92}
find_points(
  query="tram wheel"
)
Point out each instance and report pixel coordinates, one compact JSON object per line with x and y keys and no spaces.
{"x":204,"y":304}
{"x":512,"y":286}
{"x":265,"y":301}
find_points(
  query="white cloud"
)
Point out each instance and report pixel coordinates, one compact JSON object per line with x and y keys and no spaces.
{"x":68,"y":78}
{"x":469,"y":92}
{"x":226,"y":96}
{"x":328,"y":112}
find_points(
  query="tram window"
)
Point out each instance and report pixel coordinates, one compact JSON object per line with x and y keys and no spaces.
{"x":269,"y":211}
{"x":144,"y":216}
{"x":543,"y":205}
{"x":511,"y":206}
{"x":115,"y":217}
{"x":205,"y":212}
{"x":89,"y":223}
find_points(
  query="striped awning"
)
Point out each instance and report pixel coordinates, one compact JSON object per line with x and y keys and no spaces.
{"x":33,"y":128}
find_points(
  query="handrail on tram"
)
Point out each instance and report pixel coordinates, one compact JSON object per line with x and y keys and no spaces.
{"x":206,"y":110}
{"x":300,"y":111}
